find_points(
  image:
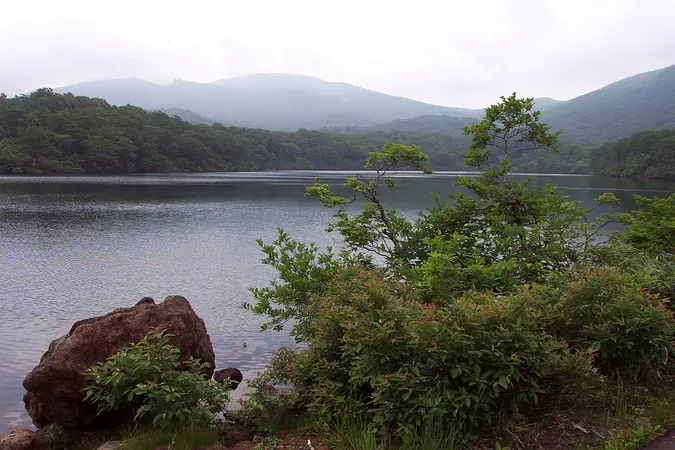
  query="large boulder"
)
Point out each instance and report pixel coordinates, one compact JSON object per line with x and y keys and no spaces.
{"x":55,"y":387}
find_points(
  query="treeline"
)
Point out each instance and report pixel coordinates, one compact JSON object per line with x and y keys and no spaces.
{"x":648,"y":154}
{"x":46,"y":132}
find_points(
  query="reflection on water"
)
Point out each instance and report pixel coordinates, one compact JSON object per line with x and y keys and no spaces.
{"x":76,"y":246}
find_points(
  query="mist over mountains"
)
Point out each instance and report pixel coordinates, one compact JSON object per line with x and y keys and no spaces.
{"x":288,"y":102}
{"x":284,"y":102}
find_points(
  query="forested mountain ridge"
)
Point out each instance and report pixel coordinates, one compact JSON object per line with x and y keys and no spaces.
{"x":188,"y":116}
{"x":641,"y":102}
{"x":647,"y":154}
{"x":289,"y":102}
{"x":271,"y":101}
{"x":46,"y":132}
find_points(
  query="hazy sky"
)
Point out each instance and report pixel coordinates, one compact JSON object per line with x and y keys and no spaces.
{"x":457,"y":53}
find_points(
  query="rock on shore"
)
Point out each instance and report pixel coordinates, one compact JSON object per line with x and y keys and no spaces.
{"x":55,"y":387}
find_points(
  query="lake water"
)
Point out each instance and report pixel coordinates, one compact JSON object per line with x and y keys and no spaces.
{"x":73,"y":247}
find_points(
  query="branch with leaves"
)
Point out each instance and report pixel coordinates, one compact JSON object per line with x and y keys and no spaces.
{"x":373,"y":229}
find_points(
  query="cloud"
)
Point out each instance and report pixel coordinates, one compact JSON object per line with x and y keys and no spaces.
{"x":452,"y":53}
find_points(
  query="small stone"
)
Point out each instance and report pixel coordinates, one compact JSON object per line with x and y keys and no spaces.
{"x":231,"y":375}
{"x":19,"y":439}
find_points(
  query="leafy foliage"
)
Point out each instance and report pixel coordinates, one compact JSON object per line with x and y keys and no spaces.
{"x":403,"y":361}
{"x":510,"y":126}
{"x":303,"y":274}
{"x":374,"y":229}
{"x":45,"y":132}
{"x":150,"y":378}
{"x":647,"y":154}
{"x":652,"y":226}
{"x":604,"y":309}
{"x":500,"y":300}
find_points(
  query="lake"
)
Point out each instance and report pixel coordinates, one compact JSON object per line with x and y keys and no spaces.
{"x":76,"y":246}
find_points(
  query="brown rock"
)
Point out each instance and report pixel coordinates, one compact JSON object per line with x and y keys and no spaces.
{"x":145,"y":300}
{"x":230,"y":375}
{"x":19,"y":439}
{"x":55,"y":387}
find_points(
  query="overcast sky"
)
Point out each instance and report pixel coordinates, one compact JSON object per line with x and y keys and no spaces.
{"x":456,"y":53}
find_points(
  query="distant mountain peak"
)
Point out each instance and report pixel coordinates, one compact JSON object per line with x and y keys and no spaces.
{"x":288,"y":101}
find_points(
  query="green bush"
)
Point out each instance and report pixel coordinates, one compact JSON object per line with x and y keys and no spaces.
{"x":453,"y":268}
{"x":150,"y":378}
{"x":269,"y":411}
{"x":504,"y":297}
{"x":607,"y":310}
{"x":654,"y":273}
{"x":404,"y":362}
{"x":652,"y":226}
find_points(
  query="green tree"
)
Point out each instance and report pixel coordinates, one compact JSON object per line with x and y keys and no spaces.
{"x":374,"y":229}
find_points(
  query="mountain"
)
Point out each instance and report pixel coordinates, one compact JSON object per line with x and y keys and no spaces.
{"x":647,"y":154}
{"x":46,"y":132}
{"x":272,"y":101}
{"x":433,"y":124}
{"x":641,"y":102}
{"x":544,"y":103}
{"x":289,"y":102}
{"x":187,"y":115}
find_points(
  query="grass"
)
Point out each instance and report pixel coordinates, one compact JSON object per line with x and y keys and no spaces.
{"x":355,"y":433}
{"x":633,"y":438}
{"x":434,"y":435}
{"x":626,"y":417}
{"x":622,"y":415}
{"x":183,"y":438}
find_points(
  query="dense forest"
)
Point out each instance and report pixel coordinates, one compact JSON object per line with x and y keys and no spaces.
{"x":46,"y":132}
{"x":648,"y":154}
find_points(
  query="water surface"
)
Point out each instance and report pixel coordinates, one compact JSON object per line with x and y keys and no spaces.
{"x":73,"y":247}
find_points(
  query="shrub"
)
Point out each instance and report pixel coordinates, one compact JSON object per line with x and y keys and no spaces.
{"x":404,"y":362}
{"x":453,"y":268}
{"x":150,"y":378}
{"x":606,"y":310}
{"x":268,"y":411}
{"x":652,"y":226}
{"x":654,"y":273}
{"x":57,"y":438}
